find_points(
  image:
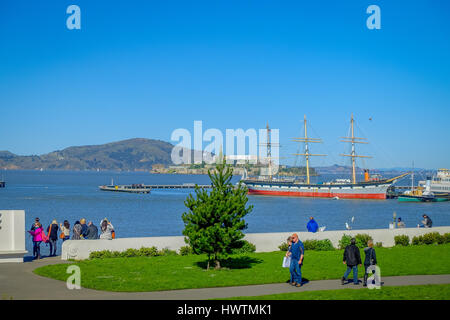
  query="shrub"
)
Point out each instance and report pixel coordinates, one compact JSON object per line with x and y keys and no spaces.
{"x":430,"y":238}
{"x":318,"y":245}
{"x":148,"y":252}
{"x":379,"y":244}
{"x":446,"y":237}
{"x":142,"y":252}
{"x":345,"y":241}
{"x":186,"y":250}
{"x":283,"y":246}
{"x":401,"y":240}
{"x":167,"y":252}
{"x":244,"y":247}
{"x":361,"y":240}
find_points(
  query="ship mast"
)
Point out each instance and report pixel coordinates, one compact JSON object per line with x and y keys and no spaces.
{"x":306,"y":140}
{"x":269,"y":151}
{"x":353,"y":140}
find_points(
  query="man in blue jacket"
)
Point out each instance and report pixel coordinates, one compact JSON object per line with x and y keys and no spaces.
{"x":312,"y":225}
{"x":297,"y":251}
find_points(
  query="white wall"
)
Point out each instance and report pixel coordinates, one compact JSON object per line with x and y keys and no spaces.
{"x":12,"y":235}
{"x":265,"y":242}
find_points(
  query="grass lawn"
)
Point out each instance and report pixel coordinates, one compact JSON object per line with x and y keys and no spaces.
{"x":183,"y":272}
{"x":427,"y":292}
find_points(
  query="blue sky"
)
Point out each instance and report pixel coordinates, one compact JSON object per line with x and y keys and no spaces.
{"x":145,"y":68}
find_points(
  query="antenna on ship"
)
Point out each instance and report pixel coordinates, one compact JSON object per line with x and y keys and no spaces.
{"x":353,"y":154}
{"x":306,"y":140}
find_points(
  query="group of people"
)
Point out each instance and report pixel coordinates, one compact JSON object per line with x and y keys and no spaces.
{"x":352,"y":258}
{"x":425,"y":223}
{"x":80,"y":231}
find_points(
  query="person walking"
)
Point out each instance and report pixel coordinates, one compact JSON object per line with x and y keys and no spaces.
{"x":107,"y":230}
{"x":36,"y":232}
{"x":351,"y":258}
{"x":92,"y":231}
{"x":52,"y":232}
{"x":65,"y":230}
{"x":76,"y":232}
{"x":369,"y":260}
{"x":312,"y":225}
{"x":297,"y":253}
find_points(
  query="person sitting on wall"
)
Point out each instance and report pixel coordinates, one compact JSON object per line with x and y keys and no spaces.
{"x":426,"y":222}
{"x":400,"y":223}
{"x":312,"y":225}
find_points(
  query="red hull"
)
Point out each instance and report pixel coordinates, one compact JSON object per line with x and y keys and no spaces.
{"x":319,"y":195}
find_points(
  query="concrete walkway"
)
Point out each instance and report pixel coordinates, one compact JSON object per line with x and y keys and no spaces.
{"x":17,"y":281}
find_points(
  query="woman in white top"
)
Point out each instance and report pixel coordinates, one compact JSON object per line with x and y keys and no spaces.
{"x":107,"y":230}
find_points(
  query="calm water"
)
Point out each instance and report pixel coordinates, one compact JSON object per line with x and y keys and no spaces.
{"x":73,"y":195}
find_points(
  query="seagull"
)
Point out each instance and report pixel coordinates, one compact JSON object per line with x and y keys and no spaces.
{"x":322,"y":229}
{"x":353,"y":219}
{"x":347,"y":226}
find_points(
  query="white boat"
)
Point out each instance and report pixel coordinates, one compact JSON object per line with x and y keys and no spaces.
{"x":440,"y":183}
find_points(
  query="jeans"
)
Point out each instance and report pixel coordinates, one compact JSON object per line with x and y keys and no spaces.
{"x":296,"y":271}
{"x":355,"y":273}
{"x":36,"y":248}
{"x":52,"y":247}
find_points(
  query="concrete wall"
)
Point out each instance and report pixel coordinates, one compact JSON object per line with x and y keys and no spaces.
{"x":265,"y":242}
{"x":12,"y":235}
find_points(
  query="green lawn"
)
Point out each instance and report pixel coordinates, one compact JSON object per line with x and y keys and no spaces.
{"x":182,"y":272}
{"x":428,"y":292}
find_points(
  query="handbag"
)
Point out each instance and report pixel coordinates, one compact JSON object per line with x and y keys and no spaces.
{"x":286,"y":262}
{"x":62,"y":235}
{"x":44,"y":236}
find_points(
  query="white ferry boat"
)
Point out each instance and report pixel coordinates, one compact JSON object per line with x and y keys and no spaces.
{"x":440,"y":183}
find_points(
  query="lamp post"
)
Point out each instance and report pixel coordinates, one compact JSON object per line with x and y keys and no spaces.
{"x":394,"y":215}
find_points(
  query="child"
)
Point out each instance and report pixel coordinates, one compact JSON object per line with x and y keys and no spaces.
{"x":370,"y":259}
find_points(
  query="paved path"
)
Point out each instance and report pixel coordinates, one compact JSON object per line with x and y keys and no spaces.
{"x":17,"y":281}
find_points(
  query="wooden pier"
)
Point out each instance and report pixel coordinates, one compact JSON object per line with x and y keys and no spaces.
{"x":143,"y":188}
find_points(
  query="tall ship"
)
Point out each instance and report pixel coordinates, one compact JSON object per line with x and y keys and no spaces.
{"x":370,"y":188}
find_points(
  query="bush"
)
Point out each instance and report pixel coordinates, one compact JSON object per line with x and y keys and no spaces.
{"x":186,"y":250}
{"x":167,"y":252}
{"x":148,"y":252}
{"x":379,"y":244}
{"x":129,"y":253}
{"x":402,"y":240}
{"x":446,"y":237}
{"x":361,"y":240}
{"x":244,"y":247}
{"x":318,"y":245}
{"x":284,"y":246}
{"x":430,"y":238}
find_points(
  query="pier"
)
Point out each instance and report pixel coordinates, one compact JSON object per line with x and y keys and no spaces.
{"x":143,"y":188}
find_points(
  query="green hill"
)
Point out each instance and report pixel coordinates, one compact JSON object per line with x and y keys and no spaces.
{"x":132,"y":154}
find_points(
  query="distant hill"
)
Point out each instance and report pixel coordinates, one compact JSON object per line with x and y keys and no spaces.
{"x":126,"y":155}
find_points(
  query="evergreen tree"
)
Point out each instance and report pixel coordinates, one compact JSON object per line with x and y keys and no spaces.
{"x":214,"y":222}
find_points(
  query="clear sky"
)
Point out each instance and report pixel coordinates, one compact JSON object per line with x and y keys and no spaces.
{"x":145,"y":68}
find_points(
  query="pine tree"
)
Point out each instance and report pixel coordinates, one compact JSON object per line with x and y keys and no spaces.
{"x":214,"y":222}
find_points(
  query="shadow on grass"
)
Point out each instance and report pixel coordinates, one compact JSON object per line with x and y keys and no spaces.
{"x":233,"y":263}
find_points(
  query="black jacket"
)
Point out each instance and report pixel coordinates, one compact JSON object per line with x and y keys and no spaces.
{"x":371,"y":257}
{"x":352,"y":256}
{"x":91,"y":232}
{"x":54,"y":232}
